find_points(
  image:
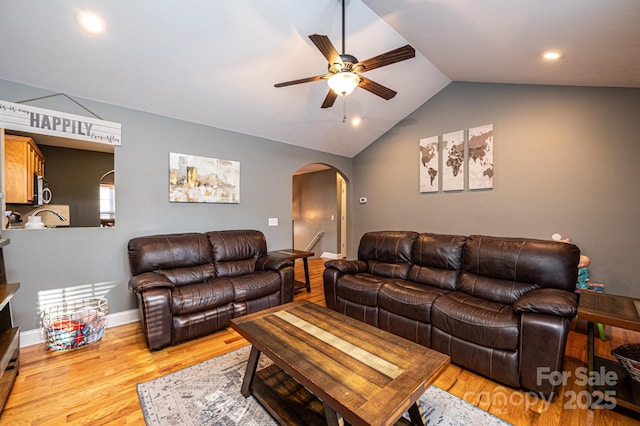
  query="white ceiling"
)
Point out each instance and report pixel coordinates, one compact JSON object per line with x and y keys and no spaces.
{"x":215,"y":62}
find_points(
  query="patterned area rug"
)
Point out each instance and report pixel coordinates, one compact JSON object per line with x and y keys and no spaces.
{"x":209,"y":394}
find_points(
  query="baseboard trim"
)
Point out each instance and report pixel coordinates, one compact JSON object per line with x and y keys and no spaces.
{"x":36,"y":337}
{"x":327,"y":255}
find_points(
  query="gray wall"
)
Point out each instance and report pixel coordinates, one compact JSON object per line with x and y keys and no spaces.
{"x":54,"y":262}
{"x":314,"y":202}
{"x":566,"y":161}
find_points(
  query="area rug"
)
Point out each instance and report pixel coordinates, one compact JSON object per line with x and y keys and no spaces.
{"x":209,"y":394}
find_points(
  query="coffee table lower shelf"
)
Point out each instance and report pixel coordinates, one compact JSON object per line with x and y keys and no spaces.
{"x":289,"y":402}
{"x":625,"y":393}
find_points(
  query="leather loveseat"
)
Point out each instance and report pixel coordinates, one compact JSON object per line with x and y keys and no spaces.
{"x":501,"y":307}
{"x":189,"y":285}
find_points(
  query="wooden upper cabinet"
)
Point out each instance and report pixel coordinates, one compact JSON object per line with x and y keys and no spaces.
{"x":23,"y":161}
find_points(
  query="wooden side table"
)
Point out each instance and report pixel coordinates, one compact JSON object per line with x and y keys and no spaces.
{"x":617,"y":311}
{"x":291,"y":254}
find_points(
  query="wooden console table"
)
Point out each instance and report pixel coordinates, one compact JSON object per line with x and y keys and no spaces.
{"x":9,"y":335}
{"x":617,"y":311}
{"x":291,"y":254}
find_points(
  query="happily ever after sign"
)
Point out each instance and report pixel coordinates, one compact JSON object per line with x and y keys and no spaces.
{"x":43,"y":121}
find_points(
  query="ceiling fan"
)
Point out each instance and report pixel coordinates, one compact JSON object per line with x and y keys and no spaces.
{"x":344,"y":69}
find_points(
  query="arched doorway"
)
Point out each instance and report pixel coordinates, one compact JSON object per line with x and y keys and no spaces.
{"x":319,"y":210}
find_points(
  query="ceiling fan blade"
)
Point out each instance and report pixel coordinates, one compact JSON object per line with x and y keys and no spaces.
{"x":391,"y":57}
{"x":302,"y":80}
{"x":330,"y":99}
{"x":376,"y":88}
{"x":325,"y":47}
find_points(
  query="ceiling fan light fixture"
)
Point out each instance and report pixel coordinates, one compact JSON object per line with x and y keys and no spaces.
{"x":343,"y":83}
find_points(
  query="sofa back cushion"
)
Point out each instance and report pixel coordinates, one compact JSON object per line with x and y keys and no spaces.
{"x":183,"y":258}
{"x":504,"y":269}
{"x":236,"y":252}
{"x":437,"y":260}
{"x":387,"y":253}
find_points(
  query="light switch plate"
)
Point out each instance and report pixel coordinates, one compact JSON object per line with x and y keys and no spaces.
{"x":273,"y":221}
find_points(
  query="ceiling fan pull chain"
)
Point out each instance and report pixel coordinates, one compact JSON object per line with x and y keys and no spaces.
{"x":344,"y":109}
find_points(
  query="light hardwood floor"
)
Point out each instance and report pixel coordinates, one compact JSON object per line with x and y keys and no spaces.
{"x":96,"y":385}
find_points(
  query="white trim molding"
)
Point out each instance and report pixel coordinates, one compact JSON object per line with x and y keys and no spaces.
{"x":327,"y":255}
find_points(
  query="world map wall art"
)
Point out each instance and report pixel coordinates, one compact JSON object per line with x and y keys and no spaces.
{"x":449,"y":163}
{"x":194,"y":179}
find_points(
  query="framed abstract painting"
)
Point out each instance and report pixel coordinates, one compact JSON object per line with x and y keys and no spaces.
{"x":194,"y":179}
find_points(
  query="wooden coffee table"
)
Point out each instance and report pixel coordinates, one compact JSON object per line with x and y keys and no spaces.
{"x":325,"y":363}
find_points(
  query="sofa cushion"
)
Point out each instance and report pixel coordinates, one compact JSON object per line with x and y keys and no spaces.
{"x":387,"y":253}
{"x":497,"y":290}
{"x":253,"y":286}
{"x":437,"y":260}
{"x":387,"y":269}
{"x":410,"y":300}
{"x":234,"y":268}
{"x":149,"y":254}
{"x":360,"y":288}
{"x":201,"y":297}
{"x":476,"y":320}
{"x":235,"y":252}
{"x":236,"y":245}
{"x":189,"y":275}
{"x":543,"y":263}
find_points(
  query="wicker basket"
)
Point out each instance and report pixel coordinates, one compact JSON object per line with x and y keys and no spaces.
{"x":629,"y":356}
{"x":74,"y":324}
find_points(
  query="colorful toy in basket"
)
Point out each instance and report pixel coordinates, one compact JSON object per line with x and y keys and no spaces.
{"x":94,"y":322}
{"x":67,"y":334}
{"x":74,"y":324}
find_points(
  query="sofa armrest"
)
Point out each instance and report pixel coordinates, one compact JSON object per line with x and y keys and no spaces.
{"x":347,"y":266}
{"x":148,"y":280}
{"x":543,"y":340}
{"x":550,"y":301}
{"x":154,"y":307}
{"x":272,"y":263}
{"x":288,"y":283}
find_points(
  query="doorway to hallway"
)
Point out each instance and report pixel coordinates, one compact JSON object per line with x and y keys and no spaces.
{"x":319,"y":211}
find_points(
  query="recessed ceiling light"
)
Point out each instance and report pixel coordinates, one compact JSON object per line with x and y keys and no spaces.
{"x":356,"y":121}
{"x":90,"y":22}
{"x":552,"y":55}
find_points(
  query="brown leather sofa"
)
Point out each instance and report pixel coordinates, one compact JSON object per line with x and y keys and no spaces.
{"x":501,"y":307}
{"x":189,"y":285}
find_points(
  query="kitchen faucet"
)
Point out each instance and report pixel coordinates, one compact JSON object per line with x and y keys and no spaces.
{"x":61,"y":217}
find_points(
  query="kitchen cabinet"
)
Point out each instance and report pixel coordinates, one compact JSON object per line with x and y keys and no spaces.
{"x":23,"y":161}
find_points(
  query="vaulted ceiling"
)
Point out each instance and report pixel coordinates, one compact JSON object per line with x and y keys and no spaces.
{"x":216,"y":62}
